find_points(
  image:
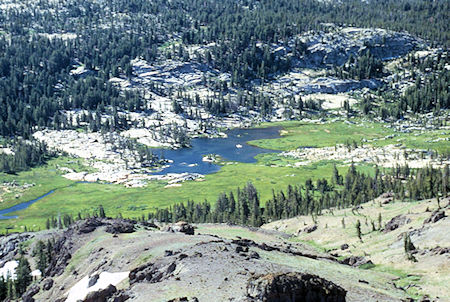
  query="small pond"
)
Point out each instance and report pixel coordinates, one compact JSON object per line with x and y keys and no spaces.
{"x":232,"y":148}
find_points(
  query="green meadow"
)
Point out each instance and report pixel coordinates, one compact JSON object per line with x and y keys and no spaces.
{"x":270,"y":172}
{"x":71,"y":197}
{"x":297,"y":134}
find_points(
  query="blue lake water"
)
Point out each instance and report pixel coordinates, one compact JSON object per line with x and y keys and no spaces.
{"x":191,"y":159}
{"x":232,"y":148}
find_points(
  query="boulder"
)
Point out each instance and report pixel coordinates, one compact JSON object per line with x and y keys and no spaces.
{"x":356,"y":261}
{"x":113,"y":226}
{"x":152,"y":273}
{"x":89,"y":225}
{"x":310,"y":229}
{"x":344,"y":246}
{"x":120,"y":226}
{"x":47,"y":284}
{"x":254,"y":255}
{"x":435,"y":216}
{"x":31,"y":291}
{"x":387,"y":195}
{"x":184,"y":299}
{"x":101,"y":295}
{"x":93,"y":280}
{"x":396,"y":222}
{"x":293,"y":287}
{"x":181,"y":227}
{"x":149,"y":224}
{"x":119,"y":296}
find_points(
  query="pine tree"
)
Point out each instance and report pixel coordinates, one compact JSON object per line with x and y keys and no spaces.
{"x":24,"y":278}
{"x":409,"y":247}
{"x":358,"y":229}
{"x":41,"y":257}
{"x":101,"y":211}
{"x":10,"y":288}
{"x":3,"y":289}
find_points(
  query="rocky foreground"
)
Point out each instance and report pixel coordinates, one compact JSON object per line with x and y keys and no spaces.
{"x":123,"y":260}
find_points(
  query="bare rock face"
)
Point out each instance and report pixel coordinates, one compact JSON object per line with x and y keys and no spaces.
{"x":293,"y":287}
{"x":435,"y":216}
{"x":9,"y":245}
{"x":335,"y":47}
{"x":396,"y":222}
{"x":436,"y":251}
{"x":62,"y":249}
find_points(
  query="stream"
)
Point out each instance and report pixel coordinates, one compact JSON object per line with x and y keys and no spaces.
{"x":20,"y":206}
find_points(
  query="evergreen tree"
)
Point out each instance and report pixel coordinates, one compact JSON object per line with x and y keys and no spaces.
{"x":41,"y":257}
{"x":358,"y":229}
{"x":24,"y":278}
{"x":101,"y":212}
{"x":3,"y":289}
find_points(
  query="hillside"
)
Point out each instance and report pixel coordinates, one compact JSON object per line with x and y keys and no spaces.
{"x":218,"y":262}
{"x":238,"y":150}
{"x":335,"y":232}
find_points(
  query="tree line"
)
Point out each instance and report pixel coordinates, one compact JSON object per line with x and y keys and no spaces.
{"x":244,"y":206}
{"x":24,"y":155}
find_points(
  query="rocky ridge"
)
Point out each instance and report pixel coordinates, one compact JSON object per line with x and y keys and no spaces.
{"x":203,"y":266}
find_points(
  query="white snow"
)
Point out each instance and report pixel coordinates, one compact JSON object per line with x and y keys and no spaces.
{"x":6,"y":151}
{"x":9,"y":269}
{"x":80,"y":290}
{"x":36,"y":273}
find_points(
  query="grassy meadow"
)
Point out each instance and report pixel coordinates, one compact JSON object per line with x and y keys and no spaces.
{"x":72,"y":197}
{"x":299,"y":134}
{"x":271,"y":171}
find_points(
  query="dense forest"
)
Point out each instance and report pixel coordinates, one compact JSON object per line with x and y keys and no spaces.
{"x":430,"y":91}
{"x":35,"y":83}
{"x":25,"y":155}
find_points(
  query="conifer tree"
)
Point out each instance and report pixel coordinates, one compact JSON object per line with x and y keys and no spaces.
{"x":101,"y":211}
{"x":3,"y":289}
{"x":24,"y":278}
{"x":358,"y":229}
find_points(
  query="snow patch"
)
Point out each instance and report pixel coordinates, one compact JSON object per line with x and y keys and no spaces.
{"x":9,"y":269}
{"x":81,"y":289}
